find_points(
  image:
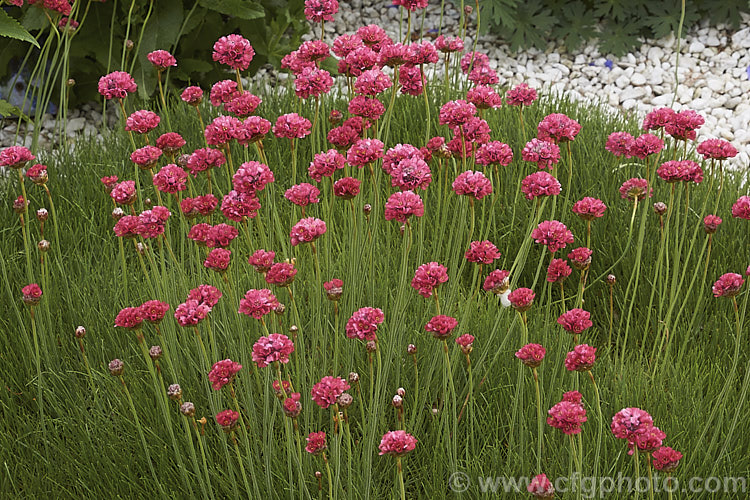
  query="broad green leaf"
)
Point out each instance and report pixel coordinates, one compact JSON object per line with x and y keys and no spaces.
{"x":244,"y":9}
{"x":11,"y":28}
{"x":7,"y":109}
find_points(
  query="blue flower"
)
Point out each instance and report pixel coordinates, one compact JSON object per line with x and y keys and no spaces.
{"x":608,"y":63}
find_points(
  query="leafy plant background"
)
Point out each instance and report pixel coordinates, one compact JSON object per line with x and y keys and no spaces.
{"x":617,"y":26}
{"x":184,"y":27}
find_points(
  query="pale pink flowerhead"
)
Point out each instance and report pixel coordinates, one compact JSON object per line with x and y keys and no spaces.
{"x":397,"y":443}
{"x":540,"y":184}
{"x":473,"y":184}
{"x":402,"y":205}
{"x":234,"y":51}
{"x":589,"y":208}
{"x":161,"y":59}
{"x":544,"y":153}
{"x":325,"y":392}
{"x":521,"y":95}
{"x":281,"y":274}
{"x":117,"y":85}
{"x":307,"y":230}
{"x":258,"y":303}
{"x":581,"y":358}
{"x":541,"y":487}
{"x":274,"y":348}
{"x":142,"y":121}
{"x":302,"y":194}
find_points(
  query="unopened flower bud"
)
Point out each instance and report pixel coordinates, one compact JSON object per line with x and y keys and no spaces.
{"x":140,"y":248}
{"x":155,"y":352}
{"x":468,"y":9}
{"x":71,"y":82}
{"x":80,"y":332}
{"x":611,"y":280}
{"x":115,"y":367}
{"x":42,"y":214}
{"x":129,"y":45}
{"x":188,"y":409}
{"x":19,"y":205}
{"x":401,"y":391}
{"x":367,"y":209}
{"x":353,"y":377}
{"x":371,"y":346}
{"x":397,"y":401}
{"x":318,"y":474}
{"x":148,"y":204}
{"x":118,"y":213}
{"x":435,"y":411}
{"x":335,"y":117}
{"x":174,"y":392}
{"x":411,"y":349}
{"x":182,"y":160}
{"x":43,"y":246}
{"x":660,"y":208}
{"x":402,"y":229}
{"x":293,"y":330}
{"x":345,"y":400}
{"x":280,"y":309}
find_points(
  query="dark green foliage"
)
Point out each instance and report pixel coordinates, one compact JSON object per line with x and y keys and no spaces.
{"x":186,"y":28}
{"x":619,"y":25}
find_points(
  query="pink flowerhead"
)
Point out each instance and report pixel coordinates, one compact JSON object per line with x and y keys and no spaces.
{"x":646,"y":145}
{"x":221,"y":235}
{"x":683,"y":125}
{"x":711,"y":223}
{"x":628,"y":421}
{"x":421,"y":53}
{"x":151,"y":222}
{"x":161,"y":59}
{"x":397,"y":443}
{"x":410,"y":174}
{"x":15,"y":157}
{"x":620,"y":144}
{"x":658,"y":118}
{"x":346,"y":188}
{"x":218,"y":259}
{"x":541,"y":487}
{"x":316,"y":443}
{"x":170,"y":142}
{"x":494,"y":153}
{"x":236,"y":206}
{"x":497,"y":282}
{"x":223,"y":92}
{"x":274,"y":348}
{"x":402,"y":205}
{"x":312,"y":82}
{"x":243,"y":105}
{"x":558,"y":270}
{"x":369,"y":108}
{"x":589,"y":208}
{"x":393,"y":55}
{"x":129,"y":317}
{"x":32,"y":295}
{"x":234,"y":51}
{"x":716,"y":149}
{"x":473,"y":184}
{"x":117,"y":85}
{"x":398,"y":153}
{"x":544,"y":153}
{"x":372,"y":82}
{"x":521,"y":95}
{"x":281,"y":274}
{"x":728,"y":285}
{"x":363,"y":323}
{"x":317,"y":11}
{"x":223,"y":373}
{"x":325,"y":392}
{"x":552,"y":233}
{"x":142,"y":122}
{"x":262,"y":260}
{"x":411,"y":5}
{"x":364,"y":152}
{"x":192,"y":95}
{"x":521,"y":299}
{"x":204,"y":159}
{"x":466,"y":343}
{"x":191,"y":312}
{"x":581,"y":358}
{"x":253,"y":129}
{"x":441,"y":326}
{"x":38,"y":174}
{"x":557,"y":128}
{"x":205,"y":294}
{"x":741,"y":208}
{"x":313,"y":51}
{"x":483,"y":75}
{"x":666,"y":459}
{"x":581,"y":258}
{"x":540,"y":184}
{"x":575,"y":321}
{"x":307,"y":230}
{"x":252,"y":177}
{"x":472,"y":60}
{"x":126,"y":227}
{"x":334,"y":289}
{"x":302,"y":194}
{"x":227,"y":419}
{"x":428,"y":277}
{"x":410,"y":80}
{"x":292,"y":126}
{"x":258,"y":303}
{"x":222,"y":130}
{"x":456,"y":113}
{"x":531,"y":355}
{"x":170,"y":179}
{"x":567,"y":416}
{"x":153,"y":311}
{"x":649,"y":439}
{"x":635,"y":189}
{"x":482,"y":252}
{"x":447,"y":45}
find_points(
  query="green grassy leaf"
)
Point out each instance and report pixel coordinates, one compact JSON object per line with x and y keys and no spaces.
{"x":11,"y":28}
{"x":238,"y":8}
